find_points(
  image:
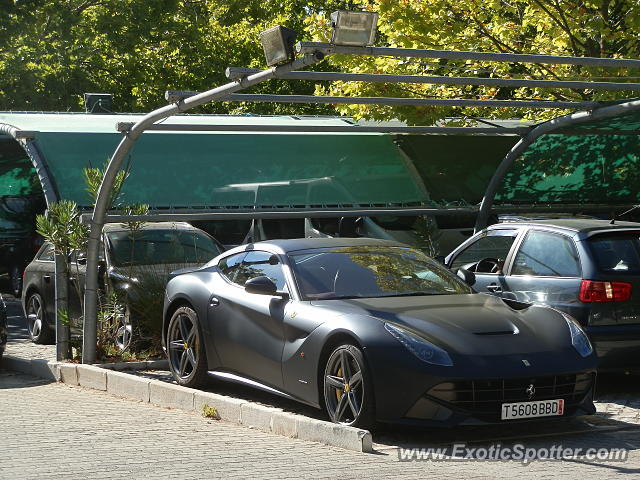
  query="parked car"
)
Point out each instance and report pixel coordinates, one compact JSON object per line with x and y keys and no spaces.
{"x":373,"y":330}
{"x":126,"y":259}
{"x":3,"y":327}
{"x":18,"y":240}
{"x":587,"y":268}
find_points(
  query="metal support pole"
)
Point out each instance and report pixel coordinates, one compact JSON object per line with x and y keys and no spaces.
{"x":434,"y":102}
{"x":63,"y":346}
{"x":234,"y":73}
{"x":551,"y":126}
{"x":123,"y":149}
{"x":329,"y":49}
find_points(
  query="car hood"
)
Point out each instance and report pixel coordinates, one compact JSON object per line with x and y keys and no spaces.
{"x":473,"y":324}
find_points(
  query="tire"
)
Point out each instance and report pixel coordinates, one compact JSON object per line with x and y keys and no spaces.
{"x":124,"y":333}
{"x":185,"y":349}
{"x":39,"y":330}
{"x":348,"y":392}
{"x":15,"y":280}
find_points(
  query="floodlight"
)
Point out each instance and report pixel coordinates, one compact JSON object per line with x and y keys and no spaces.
{"x":277,"y":43}
{"x":353,"y":28}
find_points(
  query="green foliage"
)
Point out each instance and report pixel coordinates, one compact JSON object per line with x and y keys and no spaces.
{"x":599,"y":28}
{"x":135,"y":209}
{"x":210,"y":412}
{"x":93,"y":179}
{"x":52,"y":51}
{"x":61,"y":226}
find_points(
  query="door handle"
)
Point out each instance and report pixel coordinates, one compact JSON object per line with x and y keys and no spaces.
{"x":493,"y":288}
{"x":47,"y":278}
{"x":214,"y":302}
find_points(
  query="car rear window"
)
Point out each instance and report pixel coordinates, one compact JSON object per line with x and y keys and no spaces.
{"x":617,"y":252}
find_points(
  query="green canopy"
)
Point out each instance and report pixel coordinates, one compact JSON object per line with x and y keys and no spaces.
{"x":578,"y":166}
{"x":227,"y":169}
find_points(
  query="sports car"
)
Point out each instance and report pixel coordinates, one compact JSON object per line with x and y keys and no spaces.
{"x":373,"y":331}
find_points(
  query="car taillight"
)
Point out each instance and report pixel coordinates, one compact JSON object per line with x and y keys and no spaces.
{"x":591,"y":291}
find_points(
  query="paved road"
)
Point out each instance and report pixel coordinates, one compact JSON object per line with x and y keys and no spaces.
{"x":53,"y":430}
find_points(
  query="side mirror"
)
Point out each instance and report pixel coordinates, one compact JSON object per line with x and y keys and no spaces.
{"x":440,"y":258}
{"x":467,"y":277}
{"x":261,"y":286}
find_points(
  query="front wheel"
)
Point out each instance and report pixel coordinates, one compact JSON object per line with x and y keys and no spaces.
{"x":348,"y":389}
{"x":185,"y":349}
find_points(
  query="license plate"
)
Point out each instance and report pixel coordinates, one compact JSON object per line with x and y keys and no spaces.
{"x":540,"y":408}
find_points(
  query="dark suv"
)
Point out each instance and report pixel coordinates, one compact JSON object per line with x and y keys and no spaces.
{"x":587,"y":268}
{"x":18,"y":240}
{"x":131,"y":263}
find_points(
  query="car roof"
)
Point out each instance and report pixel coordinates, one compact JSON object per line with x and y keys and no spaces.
{"x":579,"y":225}
{"x":296,"y":244}
{"x":122,"y":227}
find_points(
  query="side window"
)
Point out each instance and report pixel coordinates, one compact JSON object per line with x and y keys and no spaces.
{"x":495,"y":245}
{"x":258,"y":264}
{"x":229,"y":266}
{"x":548,"y":255}
{"x":47,"y":254}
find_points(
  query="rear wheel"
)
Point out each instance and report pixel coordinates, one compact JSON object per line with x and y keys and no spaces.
{"x":348,"y":389}
{"x":185,"y":349}
{"x":124,"y":332}
{"x":39,"y":330}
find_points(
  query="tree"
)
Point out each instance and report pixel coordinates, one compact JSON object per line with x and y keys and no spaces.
{"x":597,"y":28}
{"x":52,"y":51}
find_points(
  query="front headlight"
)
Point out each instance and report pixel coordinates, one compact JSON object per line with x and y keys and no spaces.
{"x":579,"y":339}
{"x":421,"y":348}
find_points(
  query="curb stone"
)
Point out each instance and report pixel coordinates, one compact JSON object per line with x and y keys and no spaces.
{"x":113,"y":380}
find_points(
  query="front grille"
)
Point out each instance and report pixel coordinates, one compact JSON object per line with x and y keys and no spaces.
{"x":483,"y":398}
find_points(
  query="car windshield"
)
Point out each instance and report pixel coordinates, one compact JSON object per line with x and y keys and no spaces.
{"x":371,"y":271}
{"x":617,"y":252}
{"x":166,"y":246}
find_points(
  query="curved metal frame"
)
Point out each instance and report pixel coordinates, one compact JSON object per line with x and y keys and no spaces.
{"x":122,"y":150}
{"x":545,"y":128}
{"x":28,"y":144}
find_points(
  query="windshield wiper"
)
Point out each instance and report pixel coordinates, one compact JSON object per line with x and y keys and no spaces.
{"x":413,"y":294}
{"x":341,"y":297}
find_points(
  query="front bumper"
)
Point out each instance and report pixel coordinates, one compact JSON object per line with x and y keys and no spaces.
{"x":417,"y":393}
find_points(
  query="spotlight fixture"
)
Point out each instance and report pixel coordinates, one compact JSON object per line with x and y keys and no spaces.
{"x":353,"y":28}
{"x":277,"y":43}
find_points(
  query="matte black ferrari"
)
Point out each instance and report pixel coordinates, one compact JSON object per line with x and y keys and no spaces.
{"x":372,"y":330}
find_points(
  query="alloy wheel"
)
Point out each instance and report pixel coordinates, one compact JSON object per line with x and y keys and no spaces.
{"x":183,"y":345}
{"x":124,"y":332}
{"x":34,"y":316}
{"x":344,"y":386}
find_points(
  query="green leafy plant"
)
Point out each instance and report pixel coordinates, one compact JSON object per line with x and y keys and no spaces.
{"x":210,"y":412}
{"x":93,"y":179}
